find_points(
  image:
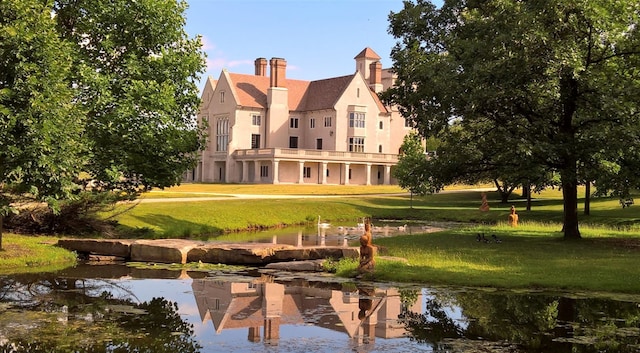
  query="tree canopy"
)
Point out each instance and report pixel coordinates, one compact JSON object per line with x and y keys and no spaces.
{"x":42,"y":148}
{"x":95,"y":97}
{"x":552,"y":86}
{"x":136,"y":70}
{"x":410,"y":170}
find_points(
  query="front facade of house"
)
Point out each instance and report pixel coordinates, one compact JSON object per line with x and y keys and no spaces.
{"x":271,"y":129}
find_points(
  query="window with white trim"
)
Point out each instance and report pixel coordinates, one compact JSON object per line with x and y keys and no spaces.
{"x":293,"y":123}
{"x":356,"y":144}
{"x":264,"y":171}
{"x":255,"y":119}
{"x":327,"y":121}
{"x":307,"y":172}
{"x":312,"y":123}
{"x":356,"y":119}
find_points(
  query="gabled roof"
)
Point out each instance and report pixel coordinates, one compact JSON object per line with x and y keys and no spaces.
{"x":251,"y":91}
{"x":323,"y":94}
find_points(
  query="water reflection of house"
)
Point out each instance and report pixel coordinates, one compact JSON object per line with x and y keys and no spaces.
{"x":264,"y":306}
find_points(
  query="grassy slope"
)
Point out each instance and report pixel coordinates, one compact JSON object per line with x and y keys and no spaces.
{"x":532,"y":255}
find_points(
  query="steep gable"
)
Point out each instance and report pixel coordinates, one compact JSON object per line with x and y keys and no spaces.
{"x":251,"y":91}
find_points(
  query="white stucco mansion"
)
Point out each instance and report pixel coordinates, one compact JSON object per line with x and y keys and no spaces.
{"x":271,"y":129}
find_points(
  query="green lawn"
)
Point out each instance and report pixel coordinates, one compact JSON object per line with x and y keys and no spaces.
{"x":183,"y":219}
{"x":533,"y":255}
{"x":21,"y":254}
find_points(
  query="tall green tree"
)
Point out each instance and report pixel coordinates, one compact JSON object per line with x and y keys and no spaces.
{"x":557,"y":76}
{"x":411,"y":171}
{"x":136,"y":70}
{"x":41,"y":125}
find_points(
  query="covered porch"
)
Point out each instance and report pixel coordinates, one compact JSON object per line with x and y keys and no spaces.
{"x":278,"y":165}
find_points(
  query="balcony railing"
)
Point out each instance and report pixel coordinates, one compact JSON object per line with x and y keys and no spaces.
{"x":319,"y":155}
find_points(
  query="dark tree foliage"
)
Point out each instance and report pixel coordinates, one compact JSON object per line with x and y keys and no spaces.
{"x":552,"y":84}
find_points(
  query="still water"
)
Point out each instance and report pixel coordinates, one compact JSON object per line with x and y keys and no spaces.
{"x":115,"y":308}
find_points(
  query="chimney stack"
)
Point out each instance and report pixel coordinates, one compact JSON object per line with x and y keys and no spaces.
{"x":278,"y":72}
{"x":375,"y":75}
{"x":261,"y":67}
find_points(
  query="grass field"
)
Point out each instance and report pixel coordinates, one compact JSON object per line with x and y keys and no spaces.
{"x":533,"y":255}
{"x":32,"y":254}
{"x":230,"y":213}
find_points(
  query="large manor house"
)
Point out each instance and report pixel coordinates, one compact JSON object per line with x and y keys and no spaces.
{"x":267,"y":128}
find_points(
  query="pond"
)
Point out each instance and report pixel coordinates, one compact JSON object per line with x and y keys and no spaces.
{"x":116,"y":308}
{"x":340,"y":234}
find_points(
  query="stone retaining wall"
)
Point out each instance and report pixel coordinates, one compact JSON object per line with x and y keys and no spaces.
{"x":183,"y":251}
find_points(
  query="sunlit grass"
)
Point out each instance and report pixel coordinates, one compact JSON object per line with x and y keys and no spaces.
{"x":532,"y":255}
{"x":32,"y":254}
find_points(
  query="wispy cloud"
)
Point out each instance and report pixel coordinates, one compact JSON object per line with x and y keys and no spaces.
{"x":206,"y":44}
{"x":216,"y":64}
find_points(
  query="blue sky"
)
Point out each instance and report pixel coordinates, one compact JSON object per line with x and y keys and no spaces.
{"x":318,"y":38}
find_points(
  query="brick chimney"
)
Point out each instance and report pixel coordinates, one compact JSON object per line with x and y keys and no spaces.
{"x":278,"y":72}
{"x":375,"y":76}
{"x":261,"y":67}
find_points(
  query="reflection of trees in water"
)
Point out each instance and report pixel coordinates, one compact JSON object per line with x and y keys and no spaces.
{"x":536,"y":323}
{"x":69,"y":315}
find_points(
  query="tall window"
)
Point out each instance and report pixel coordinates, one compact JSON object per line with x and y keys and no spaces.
{"x":293,"y":123}
{"x":356,"y":119}
{"x":264,"y":171}
{"x":312,"y":123}
{"x":255,"y":119}
{"x":222,"y":134}
{"x":293,"y":141}
{"x":318,"y":144}
{"x":356,"y":144}
{"x":307,"y":172}
{"x":255,"y":141}
{"x":221,"y":96}
{"x":327,"y":121}
{"x":380,"y":125}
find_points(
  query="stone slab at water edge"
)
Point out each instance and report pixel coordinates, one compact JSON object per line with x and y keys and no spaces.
{"x":183,"y":251}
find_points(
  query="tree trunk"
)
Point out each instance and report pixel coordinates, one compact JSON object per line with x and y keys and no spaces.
{"x":1,"y":231}
{"x":587,"y":198}
{"x":567,"y":136}
{"x":502,"y":189}
{"x":527,"y":189}
{"x":570,"y":196}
